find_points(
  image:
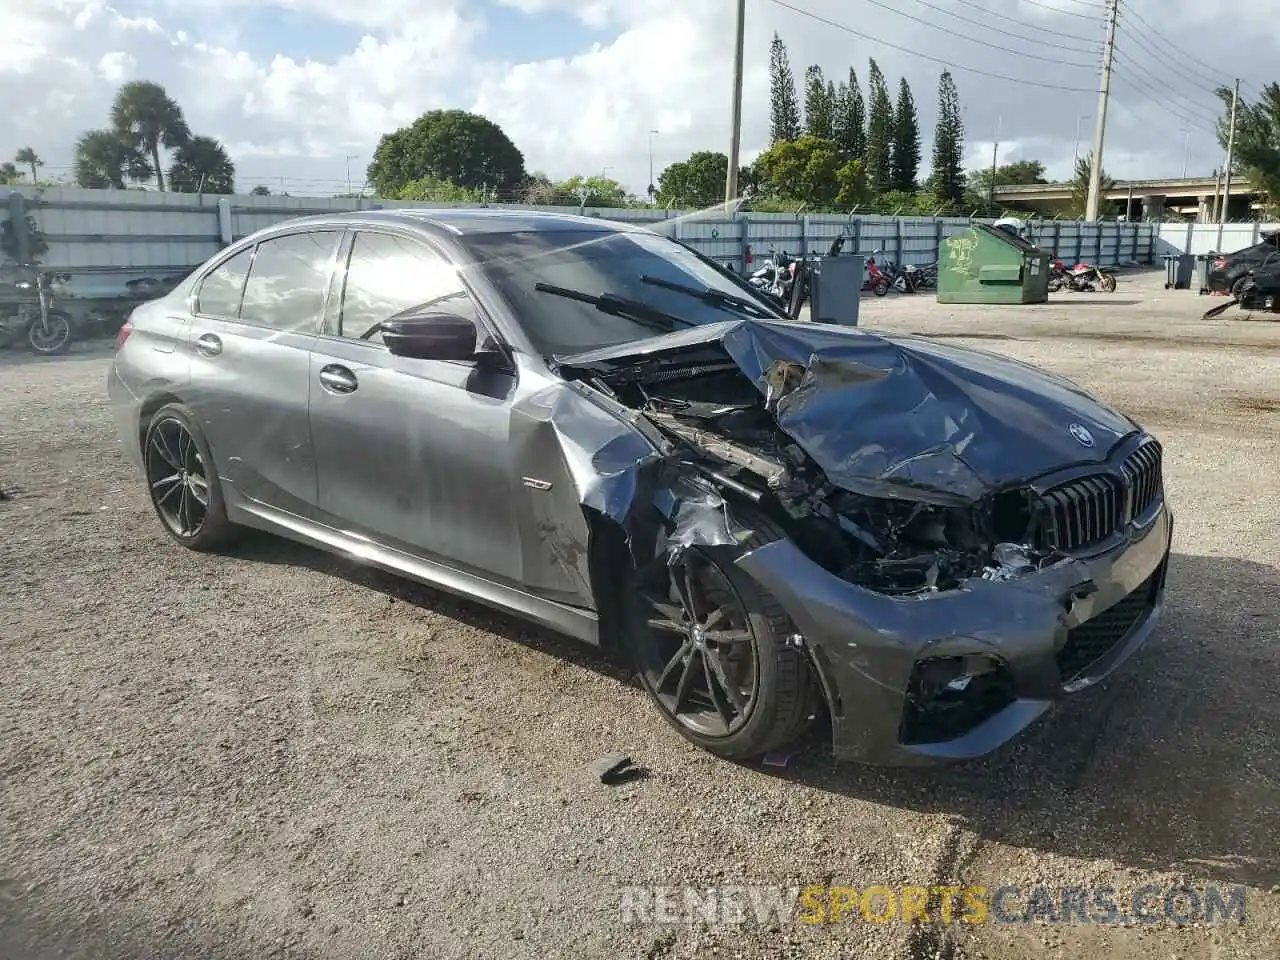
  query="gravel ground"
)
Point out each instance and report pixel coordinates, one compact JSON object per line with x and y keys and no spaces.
{"x":277,"y":752}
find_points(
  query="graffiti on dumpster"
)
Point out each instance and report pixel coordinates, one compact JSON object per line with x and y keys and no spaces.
{"x":960,"y":252}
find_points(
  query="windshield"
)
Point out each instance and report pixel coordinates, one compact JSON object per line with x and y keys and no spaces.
{"x":600,"y":262}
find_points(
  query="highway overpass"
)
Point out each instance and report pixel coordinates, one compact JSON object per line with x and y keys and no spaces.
{"x":1150,"y":199}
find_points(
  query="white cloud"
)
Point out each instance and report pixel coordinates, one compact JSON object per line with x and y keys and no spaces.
{"x":665,"y":65}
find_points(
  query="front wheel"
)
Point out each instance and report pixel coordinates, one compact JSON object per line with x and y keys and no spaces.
{"x":881,"y":288}
{"x":51,"y":337}
{"x":711,"y":649}
{"x":1108,"y":283}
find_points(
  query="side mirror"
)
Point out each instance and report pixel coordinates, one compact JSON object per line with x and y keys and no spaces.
{"x":432,"y":336}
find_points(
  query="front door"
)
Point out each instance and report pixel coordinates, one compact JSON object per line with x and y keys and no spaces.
{"x":412,"y":453}
{"x":257,"y":317}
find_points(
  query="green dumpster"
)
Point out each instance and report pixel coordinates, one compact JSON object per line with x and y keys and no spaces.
{"x":984,"y":264}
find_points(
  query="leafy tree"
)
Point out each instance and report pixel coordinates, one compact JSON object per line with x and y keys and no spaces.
{"x":784,"y":104}
{"x":450,"y":145}
{"x":146,"y":118}
{"x":813,"y":171}
{"x":538,"y":189}
{"x":27,"y":157}
{"x":596,"y":191}
{"x":1080,"y":189}
{"x":201,"y":165}
{"x":9,"y":173}
{"x":103,"y":160}
{"x":1256,"y":154}
{"x":261,"y":190}
{"x":850,"y":126}
{"x":907,"y":204}
{"x":906,"y":140}
{"x":819,"y":111}
{"x":439,"y":191}
{"x":978,"y":182}
{"x":697,"y":182}
{"x":879,"y":156}
{"x":946,"y":181}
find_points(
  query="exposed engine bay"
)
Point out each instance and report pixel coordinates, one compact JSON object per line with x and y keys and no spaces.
{"x":722,"y":427}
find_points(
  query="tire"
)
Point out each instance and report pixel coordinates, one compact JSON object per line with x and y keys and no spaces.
{"x":1108,"y":283}
{"x":54,"y":340}
{"x":174,"y":453}
{"x":784,"y":696}
{"x":881,"y":288}
{"x":1237,"y":286}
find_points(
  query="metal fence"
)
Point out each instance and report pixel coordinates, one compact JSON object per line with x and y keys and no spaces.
{"x":104,"y":238}
{"x":1197,"y":238}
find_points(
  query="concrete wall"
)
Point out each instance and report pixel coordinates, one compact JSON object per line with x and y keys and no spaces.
{"x":107,"y":237}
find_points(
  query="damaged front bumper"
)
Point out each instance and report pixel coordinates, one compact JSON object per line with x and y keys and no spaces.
{"x":1038,"y":639}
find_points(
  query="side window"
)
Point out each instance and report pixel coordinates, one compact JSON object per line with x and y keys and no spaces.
{"x":287,"y":282}
{"x":220,"y":289}
{"x":389,"y":275}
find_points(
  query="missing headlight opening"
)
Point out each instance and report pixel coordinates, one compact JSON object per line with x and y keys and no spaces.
{"x":725,"y":428}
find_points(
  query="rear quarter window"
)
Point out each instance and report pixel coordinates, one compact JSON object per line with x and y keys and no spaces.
{"x":221,"y":288}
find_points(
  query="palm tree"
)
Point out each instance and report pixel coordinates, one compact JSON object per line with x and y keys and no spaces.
{"x":103,"y":160}
{"x":201,"y":165}
{"x":28,"y":157}
{"x":147,"y":118}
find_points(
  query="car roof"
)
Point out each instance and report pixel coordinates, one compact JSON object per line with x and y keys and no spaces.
{"x":469,"y":221}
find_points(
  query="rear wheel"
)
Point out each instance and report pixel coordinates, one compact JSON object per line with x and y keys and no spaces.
{"x":1237,"y":287}
{"x":881,"y":288}
{"x":711,"y":650}
{"x":182,"y":482}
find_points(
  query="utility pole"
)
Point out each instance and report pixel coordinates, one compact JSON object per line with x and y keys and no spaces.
{"x":731,"y":179}
{"x":995,"y":153}
{"x":350,"y":157}
{"x":1231,"y":146}
{"x":1100,"y":125}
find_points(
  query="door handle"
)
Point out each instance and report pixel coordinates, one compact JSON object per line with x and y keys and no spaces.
{"x":208,"y":344}
{"x":338,"y":379}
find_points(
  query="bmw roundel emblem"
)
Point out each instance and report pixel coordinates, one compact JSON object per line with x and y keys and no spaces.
{"x":1081,"y":433}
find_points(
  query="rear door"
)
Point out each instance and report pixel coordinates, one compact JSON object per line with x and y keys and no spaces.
{"x":412,"y":453}
{"x":257,"y":317}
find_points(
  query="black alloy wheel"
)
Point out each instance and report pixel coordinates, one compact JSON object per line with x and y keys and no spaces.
{"x":700,"y":658}
{"x":177,"y":477}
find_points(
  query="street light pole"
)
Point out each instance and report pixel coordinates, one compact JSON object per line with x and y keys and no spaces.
{"x":350,"y":157}
{"x":735,"y":121}
{"x":1231,"y":147}
{"x":653,"y":190}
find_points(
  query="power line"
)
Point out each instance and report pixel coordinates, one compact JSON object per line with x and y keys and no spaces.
{"x":1138,"y":77}
{"x":951,"y":65}
{"x":1038,"y":27}
{"x":1213,"y":77}
{"x":964,"y":36}
{"x":1091,"y":17}
{"x":1094,"y":48}
{"x":1154,"y":97}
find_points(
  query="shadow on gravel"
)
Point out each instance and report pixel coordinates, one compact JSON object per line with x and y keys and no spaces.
{"x":1085,"y":300}
{"x":264,"y":548}
{"x":1173,"y":764}
{"x":80,"y":350}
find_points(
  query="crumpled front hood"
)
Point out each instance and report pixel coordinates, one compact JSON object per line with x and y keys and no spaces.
{"x":898,"y":416}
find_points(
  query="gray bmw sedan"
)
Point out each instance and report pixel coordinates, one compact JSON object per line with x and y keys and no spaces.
{"x":594,"y":427}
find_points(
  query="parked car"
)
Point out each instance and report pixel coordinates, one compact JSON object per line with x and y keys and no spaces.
{"x":1228,"y":272}
{"x":595,"y":428}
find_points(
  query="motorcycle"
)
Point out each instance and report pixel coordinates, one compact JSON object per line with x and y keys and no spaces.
{"x":775,"y":279}
{"x":44,"y":329}
{"x":877,"y":281}
{"x":1082,"y":278}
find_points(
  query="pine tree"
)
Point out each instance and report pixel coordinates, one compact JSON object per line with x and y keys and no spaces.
{"x":947,"y":178}
{"x":819,"y":111}
{"x":879,"y":156}
{"x":906,"y":140}
{"x":850,"y":126}
{"x":784,"y":104}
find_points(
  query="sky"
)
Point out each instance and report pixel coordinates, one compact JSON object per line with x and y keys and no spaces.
{"x":299,"y":91}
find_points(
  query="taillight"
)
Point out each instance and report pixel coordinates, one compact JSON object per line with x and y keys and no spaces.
{"x":123,"y":334}
{"x":1220,"y":263}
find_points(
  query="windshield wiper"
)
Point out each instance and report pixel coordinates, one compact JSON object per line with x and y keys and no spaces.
{"x":712,"y":297}
{"x":617,"y":306}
